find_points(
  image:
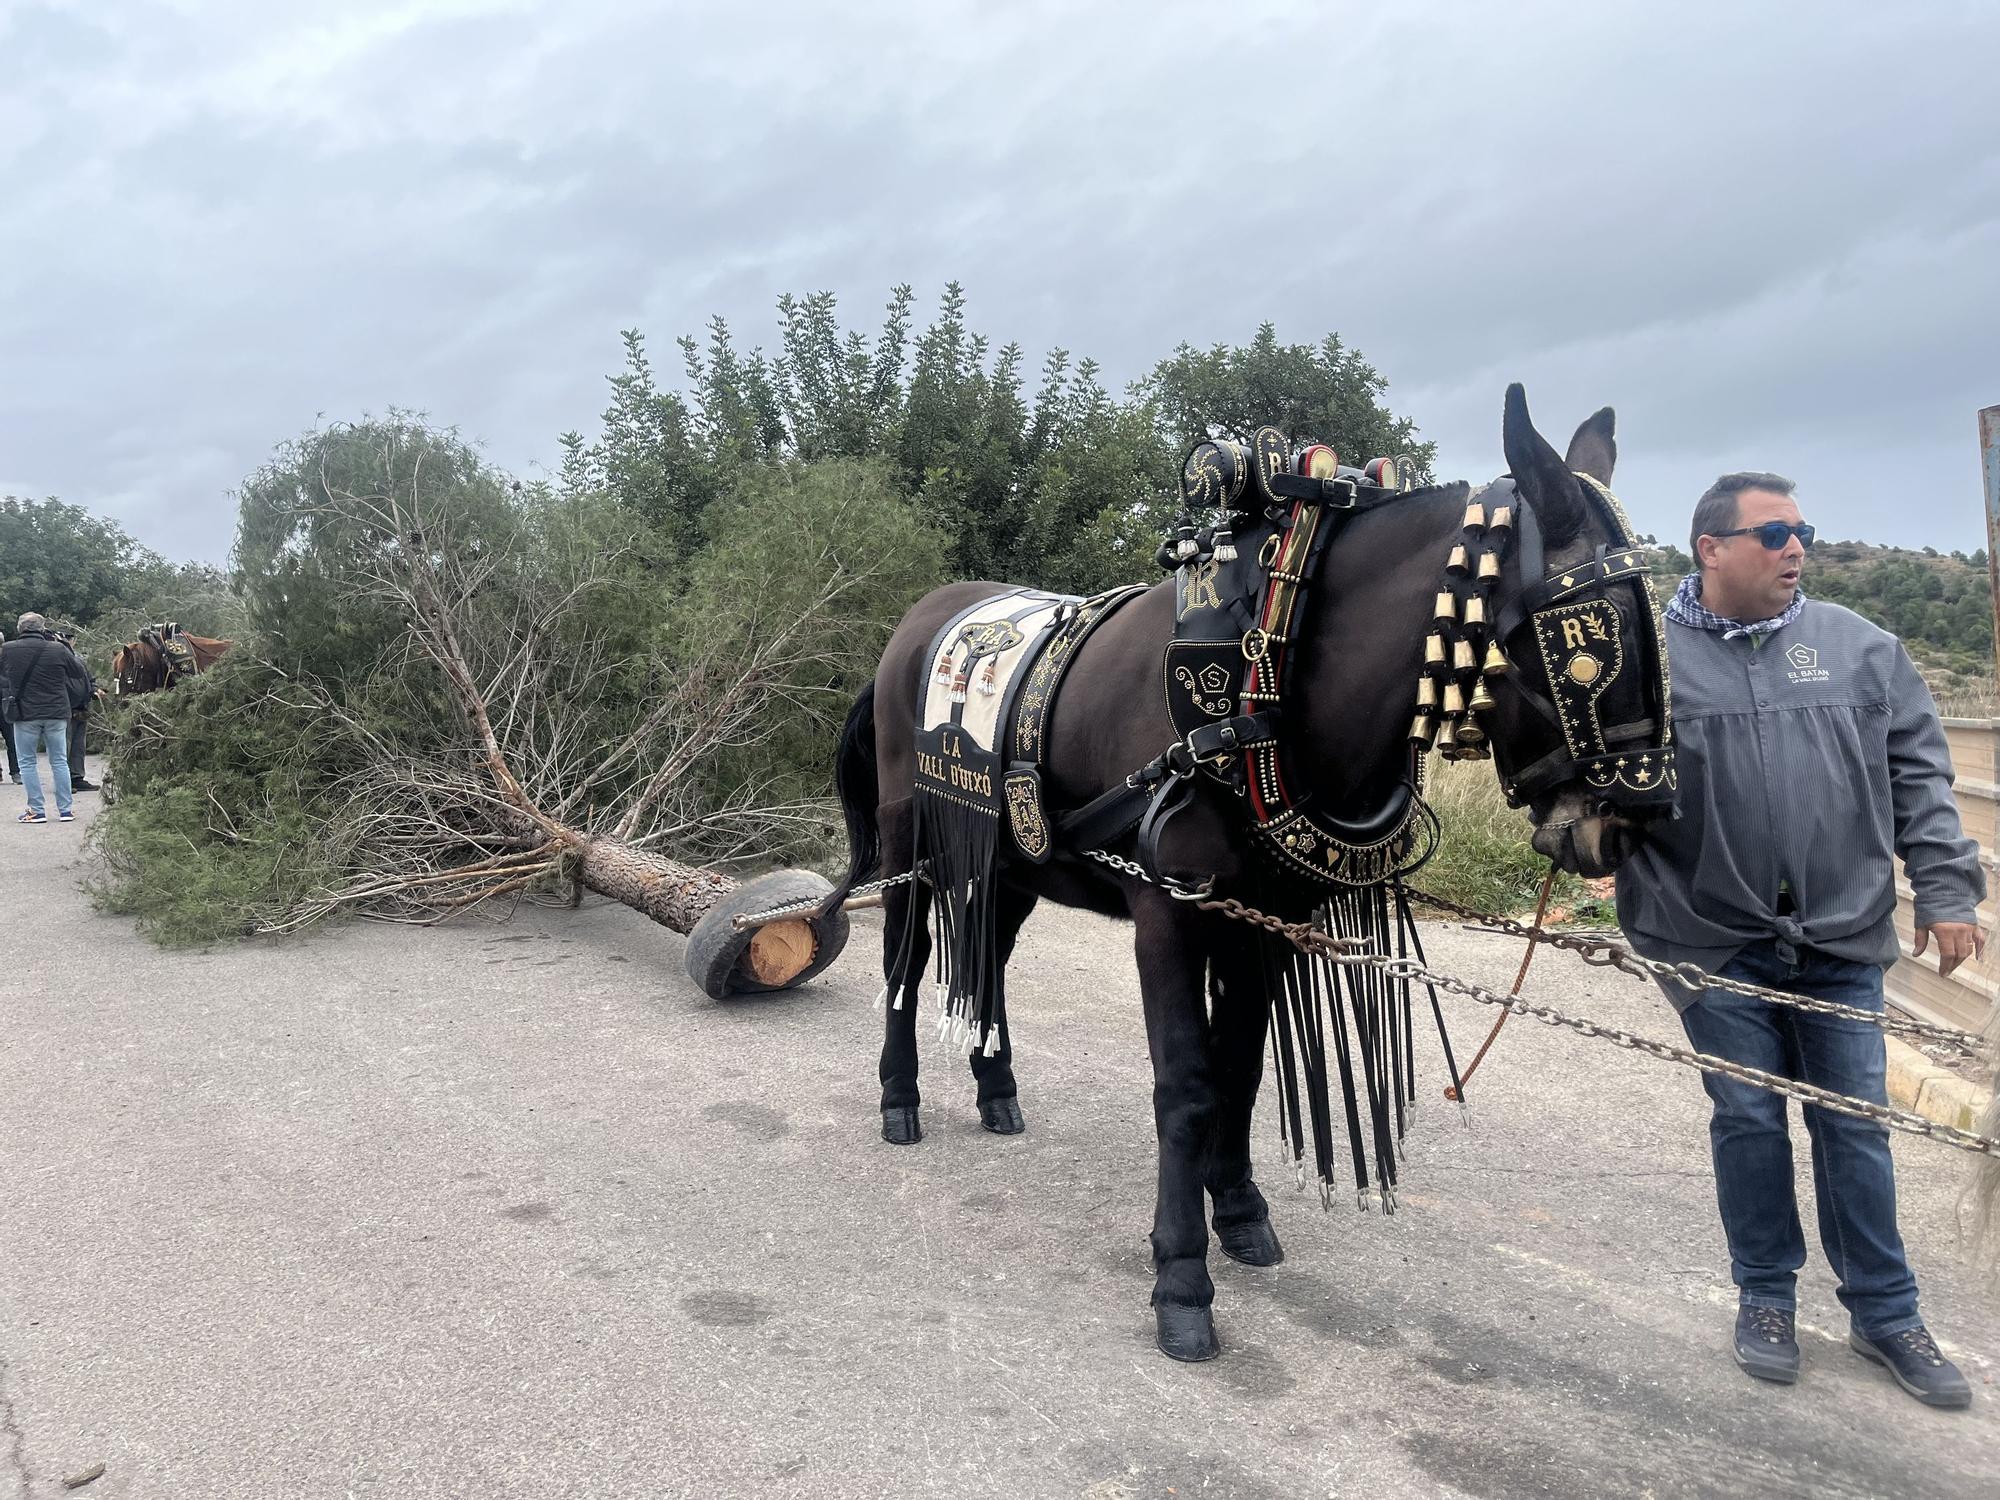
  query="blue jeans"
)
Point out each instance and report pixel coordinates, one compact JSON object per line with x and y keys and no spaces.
{"x":1854,"y":1177}
{"x":28,"y":737}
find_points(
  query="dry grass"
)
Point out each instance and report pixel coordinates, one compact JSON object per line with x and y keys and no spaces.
{"x":1485,"y":859}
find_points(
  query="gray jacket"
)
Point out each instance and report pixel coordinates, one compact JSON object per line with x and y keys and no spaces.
{"x":1809,"y":757}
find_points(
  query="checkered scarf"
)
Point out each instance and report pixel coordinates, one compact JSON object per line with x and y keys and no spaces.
{"x":1686,"y":608}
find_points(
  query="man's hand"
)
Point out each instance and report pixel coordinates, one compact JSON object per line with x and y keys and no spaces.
{"x":1957,"y":941}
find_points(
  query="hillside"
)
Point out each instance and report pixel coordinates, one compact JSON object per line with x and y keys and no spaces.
{"x":1939,"y":603}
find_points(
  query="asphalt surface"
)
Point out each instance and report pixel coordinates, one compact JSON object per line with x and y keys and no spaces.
{"x":509,"y":1209}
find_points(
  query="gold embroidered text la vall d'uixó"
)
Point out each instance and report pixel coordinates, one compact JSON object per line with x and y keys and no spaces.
{"x":951,"y":773}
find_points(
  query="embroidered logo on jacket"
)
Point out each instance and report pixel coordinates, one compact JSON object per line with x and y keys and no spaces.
{"x":1805,"y":665}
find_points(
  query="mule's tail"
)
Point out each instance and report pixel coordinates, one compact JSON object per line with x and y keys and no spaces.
{"x":859,"y":789}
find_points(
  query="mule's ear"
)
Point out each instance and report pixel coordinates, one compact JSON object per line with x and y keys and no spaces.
{"x":1540,"y":473}
{"x":1593,"y":450}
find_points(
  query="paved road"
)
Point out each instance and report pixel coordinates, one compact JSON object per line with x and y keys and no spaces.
{"x":511,"y":1210}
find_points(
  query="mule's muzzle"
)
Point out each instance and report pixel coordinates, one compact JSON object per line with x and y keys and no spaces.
{"x":1584,"y":835}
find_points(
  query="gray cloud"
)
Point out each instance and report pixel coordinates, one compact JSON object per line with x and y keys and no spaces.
{"x":1767,"y":243}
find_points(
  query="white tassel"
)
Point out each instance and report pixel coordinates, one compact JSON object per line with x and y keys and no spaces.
{"x":882,"y":1000}
{"x":992,"y":1040}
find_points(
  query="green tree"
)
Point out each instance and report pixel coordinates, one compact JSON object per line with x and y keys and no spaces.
{"x":60,"y":561}
{"x":1313,"y":393}
{"x":303,"y":549}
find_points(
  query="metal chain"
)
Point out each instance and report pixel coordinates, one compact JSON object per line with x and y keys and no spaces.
{"x":1358,"y":952}
{"x":748,"y":920}
{"x":1354,"y":952}
{"x":1174,"y":888}
{"x":1605,"y":954}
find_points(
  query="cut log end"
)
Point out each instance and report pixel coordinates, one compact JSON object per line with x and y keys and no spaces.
{"x":779,"y":952}
{"x":725,"y":960}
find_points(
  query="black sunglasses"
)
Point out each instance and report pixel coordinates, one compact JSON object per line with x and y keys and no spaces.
{"x":1773,"y":534}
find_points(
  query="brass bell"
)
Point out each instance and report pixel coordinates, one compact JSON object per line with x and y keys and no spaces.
{"x":1423,"y":730}
{"x":1482,"y":697}
{"x":1475,"y":610}
{"x":1454,"y":700}
{"x":1457,"y":563}
{"x":1481,"y":751}
{"x":1503,"y":518}
{"x":1489,"y":567}
{"x":1475,"y":516}
{"x":1434,"y":650}
{"x":1447,"y":605}
{"x":1462,"y":659}
{"x":1427,"y":694}
{"x":1469,"y":732}
{"x":1496,"y":660}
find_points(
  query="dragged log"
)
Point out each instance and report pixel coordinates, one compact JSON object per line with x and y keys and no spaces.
{"x":722,"y":957}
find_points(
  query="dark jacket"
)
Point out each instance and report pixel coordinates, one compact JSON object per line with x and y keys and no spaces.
{"x":43,"y":676}
{"x":81,"y":694}
{"x":1809,"y":759}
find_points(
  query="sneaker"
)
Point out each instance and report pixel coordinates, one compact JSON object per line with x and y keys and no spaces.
{"x":83,"y":786}
{"x":65,"y":817}
{"x":30,"y":817}
{"x":1767,"y":1344}
{"x":1912,"y":1357}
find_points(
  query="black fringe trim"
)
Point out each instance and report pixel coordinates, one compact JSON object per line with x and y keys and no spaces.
{"x":1352,"y":1025}
{"x":957,"y":847}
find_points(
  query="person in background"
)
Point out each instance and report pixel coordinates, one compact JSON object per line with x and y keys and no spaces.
{"x":1810,"y":758}
{"x":7,"y":728}
{"x":79,"y":719}
{"x":42,"y":680}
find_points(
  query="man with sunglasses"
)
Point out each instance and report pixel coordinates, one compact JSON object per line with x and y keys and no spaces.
{"x":1810,"y":757}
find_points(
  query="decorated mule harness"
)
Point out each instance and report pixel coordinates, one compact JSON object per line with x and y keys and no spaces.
{"x":1246,"y":551}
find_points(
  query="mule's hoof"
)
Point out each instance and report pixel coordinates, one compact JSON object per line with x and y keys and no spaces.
{"x":899,"y":1125}
{"x":1186,"y":1333}
{"x":1255,"y":1244}
{"x":1002,"y":1116}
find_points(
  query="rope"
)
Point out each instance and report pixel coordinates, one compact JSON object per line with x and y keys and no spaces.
{"x":1453,"y":1094}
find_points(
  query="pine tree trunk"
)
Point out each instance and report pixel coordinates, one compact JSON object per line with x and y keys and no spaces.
{"x":674,"y":895}
{"x":721,"y":957}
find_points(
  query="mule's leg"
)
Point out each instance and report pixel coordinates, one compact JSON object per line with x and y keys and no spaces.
{"x":905,"y":911}
{"x":1172,"y":960}
{"x":1238,"y":1022}
{"x":999,"y":1104}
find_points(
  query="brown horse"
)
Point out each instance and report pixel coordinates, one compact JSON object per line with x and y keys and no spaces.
{"x":144,"y":665}
{"x":1361,"y":647}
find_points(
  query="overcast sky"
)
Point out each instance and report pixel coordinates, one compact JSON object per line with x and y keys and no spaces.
{"x":1768,"y":234}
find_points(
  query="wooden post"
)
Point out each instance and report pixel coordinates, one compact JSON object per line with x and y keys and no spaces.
{"x":1989,"y":461}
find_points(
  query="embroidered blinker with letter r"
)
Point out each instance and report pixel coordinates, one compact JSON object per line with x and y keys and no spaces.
{"x":1582,"y":653}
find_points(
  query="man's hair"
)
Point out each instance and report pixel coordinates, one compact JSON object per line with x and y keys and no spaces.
{"x":30,"y":622}
{"x":1716,"y":510}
